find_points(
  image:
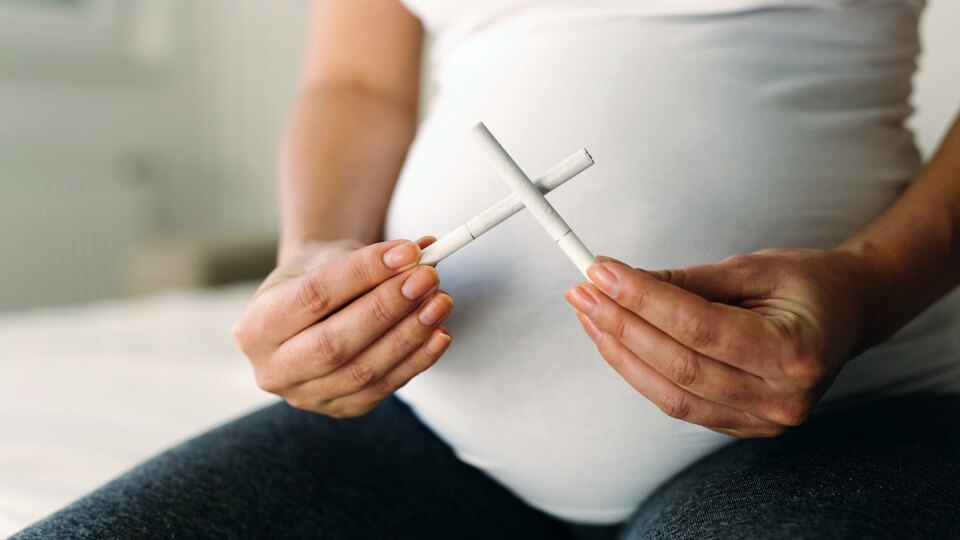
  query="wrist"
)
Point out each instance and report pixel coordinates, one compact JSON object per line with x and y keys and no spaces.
{"x":311,"y":252}
{"x":870,"y":284}
{"x":296,"y":247}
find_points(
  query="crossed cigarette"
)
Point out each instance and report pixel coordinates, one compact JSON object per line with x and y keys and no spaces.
{"x":526,"y":194}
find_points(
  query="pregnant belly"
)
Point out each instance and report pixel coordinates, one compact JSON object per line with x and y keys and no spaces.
{"x":711,"y":135}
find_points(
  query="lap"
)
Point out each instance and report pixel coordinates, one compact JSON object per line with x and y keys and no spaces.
{"x":882,"y":470}
{"x":885,"y":470}
{"x":286,"y":473}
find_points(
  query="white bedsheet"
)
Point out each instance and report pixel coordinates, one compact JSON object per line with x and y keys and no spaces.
{"x":87,"y":392}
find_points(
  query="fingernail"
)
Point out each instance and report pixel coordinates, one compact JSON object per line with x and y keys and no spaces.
{"x":582,"y":300}
{"x":604,"y":258}
{"x":418,"y":283}
{"x":437,"y":343}
{"x":591,"y":328}
{"x":426,"y":240}
{"x":435,"y":311}
{"x":402,"y":255}
{"x":605,"y":279}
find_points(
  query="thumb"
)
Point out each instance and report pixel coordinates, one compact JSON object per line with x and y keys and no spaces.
{"x":703,"y":281}
{"x":730,"y":281}
{"x":425,"y":241}
{"x":716,"y":282}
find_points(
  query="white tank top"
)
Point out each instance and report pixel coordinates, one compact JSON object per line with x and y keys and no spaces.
{"x":771,"y":124}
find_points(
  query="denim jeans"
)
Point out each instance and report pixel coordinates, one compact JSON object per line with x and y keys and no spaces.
{"x":885,"y":470}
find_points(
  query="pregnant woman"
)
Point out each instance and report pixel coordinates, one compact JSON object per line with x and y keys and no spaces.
{"x":663,"y":403}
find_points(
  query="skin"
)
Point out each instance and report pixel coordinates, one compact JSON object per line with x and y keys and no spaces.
{"x":330,"y":329}
{"x":746,"y":346}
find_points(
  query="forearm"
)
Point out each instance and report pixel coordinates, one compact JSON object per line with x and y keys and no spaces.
{"x":910,"y":255}
{"x":338,"y":164}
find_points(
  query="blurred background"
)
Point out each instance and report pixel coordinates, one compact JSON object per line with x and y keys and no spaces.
{"x":137,"y":212}
{"x":137,"y":142}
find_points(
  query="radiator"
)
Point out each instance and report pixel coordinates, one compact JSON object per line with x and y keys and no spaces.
{"x":67,"y":231}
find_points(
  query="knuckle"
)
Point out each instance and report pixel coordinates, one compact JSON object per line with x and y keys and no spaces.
{"x":269,"y":381}
{"x":239,"y":332}
{"x":638,"y":300}
{"x":337,"y":412}
{"x":739,"y":259}
{"x":790,"y":414}
{"x":367,"y":267}
{"x":620,"y":327}
{"x":298,"y":402}
{"x":420,"y":364}
{"x":772,"y":431}
{"x":344,"y":411}
{"x":764,"y":431}
{"x":406,"y":341}
{"x":382,"y":387}
{"x":802,"y":370}
{"x":675,"y":276}
{"x":698,"y":331}
{"x":676,"y":404}
{"x":361,"y":410}
{"x":727,"y":431}
{"x":313,"y":294}
{"x":328,"y":348}
{"x":755,"y":433}
{"x":684,"y":367}
{"x":380,"y":308}
{"x":246,"y":333}
{"x":771,"y":252}
{"x":360,"y":375}
{"x":617,"y":358}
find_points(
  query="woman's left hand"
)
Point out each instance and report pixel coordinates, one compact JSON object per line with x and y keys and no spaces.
{"x":745,"y":347}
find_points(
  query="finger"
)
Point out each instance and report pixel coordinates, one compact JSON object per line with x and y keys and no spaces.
{"x":735,"y":336}
{"x":293,"y":305}
{"x":670,"y":398}
{"x":765,"y":431}
{"x":729,"y":281}
{"x":604,"y":258}
{"x":325,"y":346}
{"x":685,"y":367}
{"x":369,"y":367}
{"x":414,"y":364}
{"x":425,"y":241}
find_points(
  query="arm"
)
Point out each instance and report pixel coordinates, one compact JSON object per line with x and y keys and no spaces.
{"x":748,"y":346}
{"x":337,"y":327}
{"x":352,"y":123}
{"x":912,"y":251}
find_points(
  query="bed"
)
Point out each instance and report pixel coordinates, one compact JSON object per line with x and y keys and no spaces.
{"x":87,"y":392}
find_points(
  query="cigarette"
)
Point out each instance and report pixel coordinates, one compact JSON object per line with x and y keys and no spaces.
{"x":531,"y":197}
{"x":575,"y":164}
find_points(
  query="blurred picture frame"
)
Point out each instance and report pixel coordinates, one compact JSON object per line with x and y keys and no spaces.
{"x":75,"y":37}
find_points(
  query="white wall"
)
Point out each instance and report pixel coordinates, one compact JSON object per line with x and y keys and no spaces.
{"x":192,"y":129}
{"x":207,"y":119}
{"x":937,"y":94}
{"x":247,"y":68}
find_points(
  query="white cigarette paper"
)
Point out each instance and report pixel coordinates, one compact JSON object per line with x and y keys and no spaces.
{"x":531,"y":197}
{"x":575,"y":164}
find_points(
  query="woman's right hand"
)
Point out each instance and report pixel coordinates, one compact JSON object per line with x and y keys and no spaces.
{"x":336,"y":329}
